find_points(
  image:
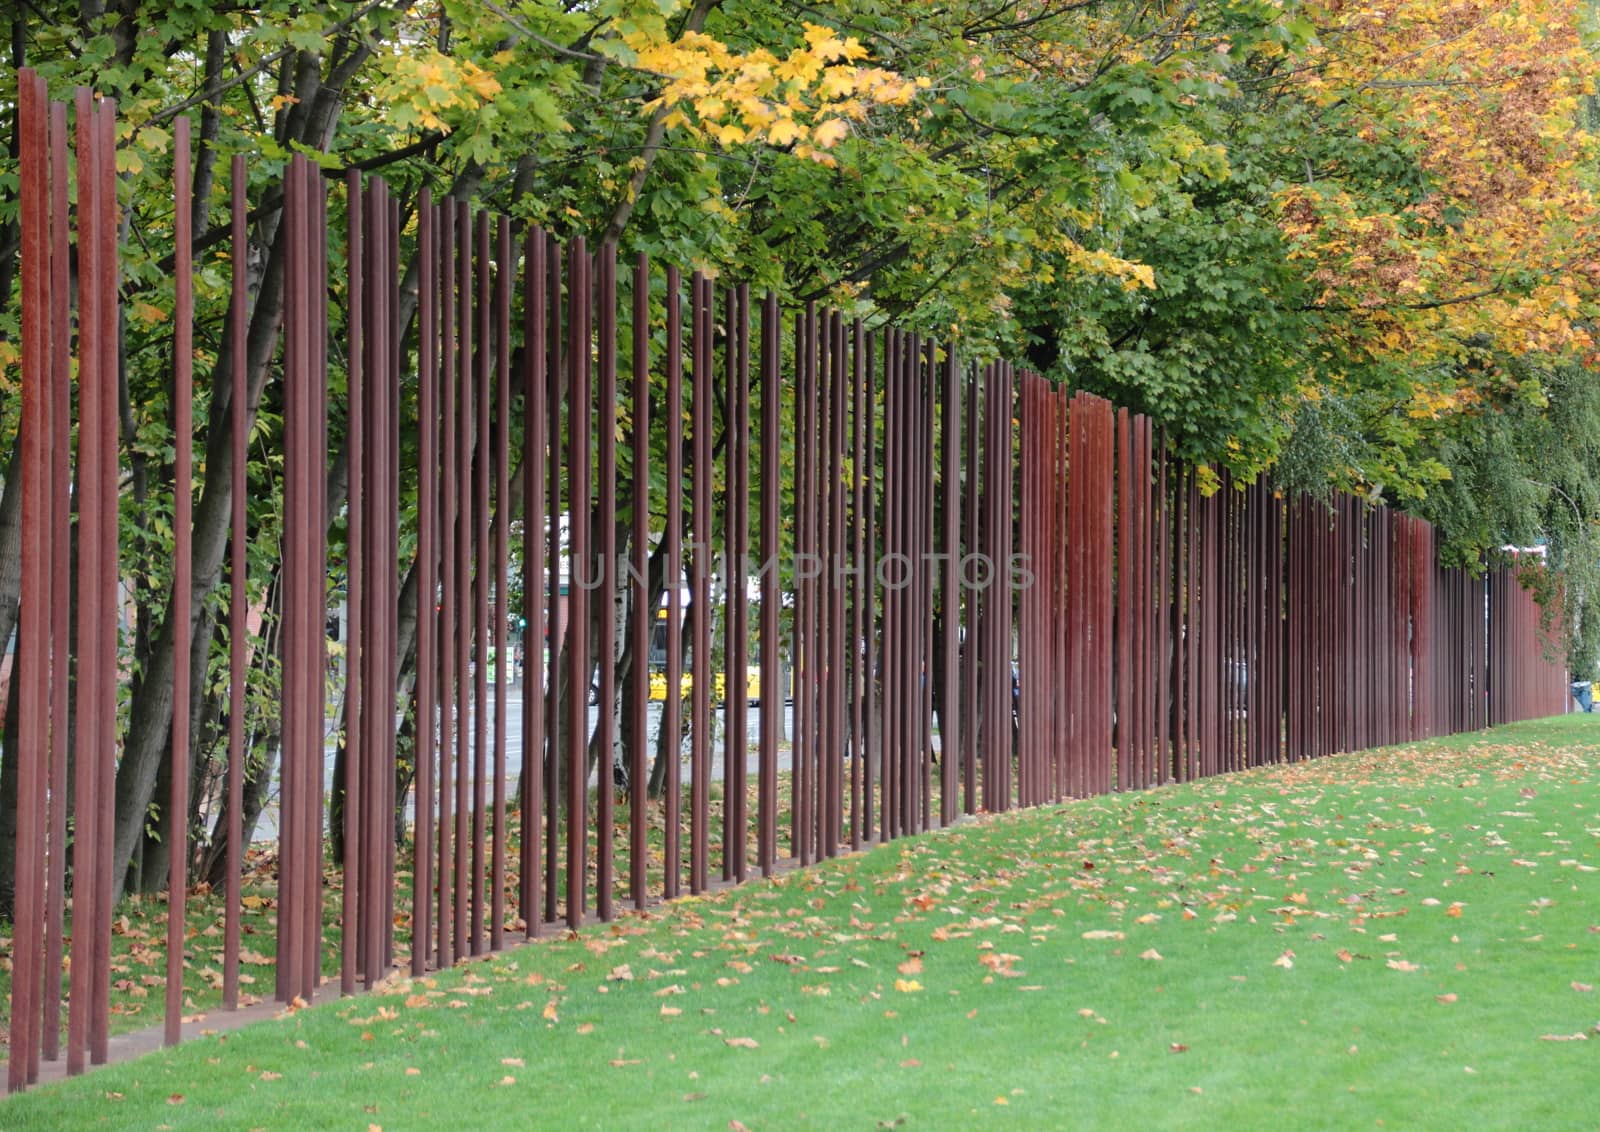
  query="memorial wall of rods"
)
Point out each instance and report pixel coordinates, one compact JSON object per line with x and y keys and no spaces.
{"x":957,"y":588}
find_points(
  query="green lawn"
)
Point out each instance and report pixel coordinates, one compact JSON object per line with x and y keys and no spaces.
{"x":1405,"y":938}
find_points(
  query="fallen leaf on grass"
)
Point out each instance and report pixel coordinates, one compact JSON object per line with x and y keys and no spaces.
{"x":1582,"y":988}
{"x":1102,"y":934}
{"x":909,"y":986}
{"x":1403,"y":965}
{"x":1445,"y":998}
{"x":741,"y":1043}
{"x":1151,"y":954}
{"x":1177,"y":1047}
{"x":1286,"y":960}
{"x":517,"y":1062}
{"x":1578,"y":1037}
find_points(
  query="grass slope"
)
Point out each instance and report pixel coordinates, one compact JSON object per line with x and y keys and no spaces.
{"x":1404,"y":938}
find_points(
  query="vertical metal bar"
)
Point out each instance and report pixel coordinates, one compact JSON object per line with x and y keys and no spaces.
{"x":969,"y":597}
{"x":427,"y":577}
{"x":772,"y":696}
{"x":103,"y":705}
{"x":88,"y":842}
{"x":672,"y":707}
{"x":502,"y":566}
{"x":871,"y":746}
{"x":800,"y":746}
{"x":860,"y":554}
{"x":833,"y":499}
{"x":59,"y":555}
{"x":736,"y":737}
{"x":33,"y":671}
{"x":449,"y":506}
{"x":555,"y":607}
{"x":893,"y":558}
{"x":606,"y":591}
{"x":535,"y":583}
{"x":479,"y":463}
{"x":177,"y":815}
{"x":238,"y":574}
{"x":295,"y":597}
{"x":579,"y":426}
{"x":642,"y":620}
{"x":642,"y":623}
{"x":465,"y":526}
{"x":951,"y":721}
{"x":356,"y":653}
{"x":700,"y":598}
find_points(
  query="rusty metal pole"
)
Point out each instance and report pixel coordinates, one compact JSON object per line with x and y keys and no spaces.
{"x":59,"y":554}
{"x":580,"y":422}
{"x":605,"y":591}
{"x":772,"y":696}
{"x":33,"y":669}
{"x":356,"y":655}
{"x":177,"y":815}
{"x":449,"y":701}
{"x":700,"y":587}
{"x":672,"y":706}
{"x":536,"y":583}
{"x":501,"y":461}
{"x":427,"y":578}
{"x":642,"y":622}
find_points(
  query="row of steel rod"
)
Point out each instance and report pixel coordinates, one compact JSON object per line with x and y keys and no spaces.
{"x":990,"y":594}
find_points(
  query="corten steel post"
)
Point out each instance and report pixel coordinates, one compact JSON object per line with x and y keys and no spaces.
{"x":355,"y":768}
{"x":737,"y":649}
{"x":971,"y":456}
{"x":104,"y":509}
{"x":643,"y":619}
{"x":427,"y":578}
{"x":33,"y":667}
{"x":925,"y":559}
{"x":605,"y":585}
{"x":800,"y":758}
{"x":503,"y":276}
{"x":833,"y":552}
{"x":872,"y":745}
{"x":894,"y":493}
{"x":466,"y":526}
{"x":952,"y":723}
{"x":177,"y":815}
{"x":700,"y":586}
{"x":672,"y":707}
{"x":535,"y":582}
{"x":860,"y":624}
{"x":60,"y":554}
{"x":87,"y":915}
{"x":577,"y":632}
{"x":772,"y":696}
{"x":479,"y":463}
{"x":555,"y":621}
{"x":449,"y":701}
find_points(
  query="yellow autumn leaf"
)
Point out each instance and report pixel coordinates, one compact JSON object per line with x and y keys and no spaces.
{"x":830,"y":133}
{"x":907,"y":986}
{"x":784,"y":131}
